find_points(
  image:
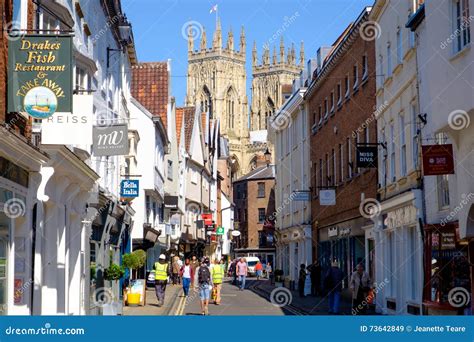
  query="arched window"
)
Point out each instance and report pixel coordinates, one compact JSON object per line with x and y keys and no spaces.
{"x":269,"y":111}
{"x":206,"y":102}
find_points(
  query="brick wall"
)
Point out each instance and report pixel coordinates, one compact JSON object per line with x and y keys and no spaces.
{"x":348,"y":118}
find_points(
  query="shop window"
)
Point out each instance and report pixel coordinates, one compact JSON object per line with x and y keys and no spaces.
{"x":261,"y":215}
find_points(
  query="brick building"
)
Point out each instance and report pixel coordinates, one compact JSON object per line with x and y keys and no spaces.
{"x":341,"y":102}
{"x":254,"y":197}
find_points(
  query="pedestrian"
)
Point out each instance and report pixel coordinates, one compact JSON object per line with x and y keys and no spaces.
{"x":360,"y":285}
{"x":217,"y":275}
{"x":187,"y":273}
{"x":259,"y":269}
{"x":302,"y":279}
{"x":233,"y":271}
{"x":175,"y":268}
{"x":161,"y":278}
{"x":315,"y":275}
{"x":268,"y":270}
{"x":242,"y":271}
{"x":204,"y":283}
{"x":194,"y":265}
{"x":333,"y":285}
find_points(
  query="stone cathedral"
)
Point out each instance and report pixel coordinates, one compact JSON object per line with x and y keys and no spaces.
{"x":217,"y":83}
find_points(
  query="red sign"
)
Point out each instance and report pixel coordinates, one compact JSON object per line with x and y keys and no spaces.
{"x":207,"y":219}
{"x":438,"y":160}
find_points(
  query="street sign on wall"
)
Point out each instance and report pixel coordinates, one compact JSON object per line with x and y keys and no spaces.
{"x":327,"y":197}
{"x":40,"y":75}
{"x":437,"y":160}
{"x":110,"y":140}
{"x":301,"y":196}
{"x":129,"y":188}
{"x":366,"y":156}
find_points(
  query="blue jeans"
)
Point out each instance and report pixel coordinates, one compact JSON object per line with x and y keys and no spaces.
{"x":334,"y":299}
{"x":242,"y":281}
{"x":186,"y":284}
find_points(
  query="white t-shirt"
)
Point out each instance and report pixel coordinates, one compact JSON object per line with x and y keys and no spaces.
{"x":187,"y":271}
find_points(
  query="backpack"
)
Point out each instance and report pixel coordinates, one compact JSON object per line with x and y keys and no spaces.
{"x":204,"y":275}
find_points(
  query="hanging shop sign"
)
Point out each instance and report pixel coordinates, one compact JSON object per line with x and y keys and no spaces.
{"x":129,"y":188}
{"x":171,"y":202}
{"x":40,"y":75}
{"x":301,"y":196}
{"x":437,"y":160}
{"x":110,"y":140}
{"x":220,"y":231}
{"x":327,"y":197}
{"x":366,"y":156}
{"x":207,"y":219}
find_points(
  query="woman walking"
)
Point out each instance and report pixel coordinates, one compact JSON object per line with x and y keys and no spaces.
{"x":187,"y":273}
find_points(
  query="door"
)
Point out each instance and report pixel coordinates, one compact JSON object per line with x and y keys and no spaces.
{"x":3,"y":268}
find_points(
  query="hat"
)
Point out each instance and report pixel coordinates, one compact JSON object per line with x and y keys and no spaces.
{"x":162,"y":257}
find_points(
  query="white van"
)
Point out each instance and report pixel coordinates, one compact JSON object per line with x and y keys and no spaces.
{"x":251,"y":262}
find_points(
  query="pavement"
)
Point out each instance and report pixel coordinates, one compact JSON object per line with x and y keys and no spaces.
{"x":260,"y":298}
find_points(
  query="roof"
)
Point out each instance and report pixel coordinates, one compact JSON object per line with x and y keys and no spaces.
{"x":262,"y":172}
{"x":179,"y":112}
{"x":150,"y":84}
{"x":188,"y":120}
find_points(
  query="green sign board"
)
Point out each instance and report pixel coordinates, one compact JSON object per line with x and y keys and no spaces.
{"x":220,"y":231}
{"x":40,"y":75}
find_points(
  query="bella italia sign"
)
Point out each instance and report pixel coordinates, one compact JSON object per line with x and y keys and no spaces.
{"x":40,"y":75}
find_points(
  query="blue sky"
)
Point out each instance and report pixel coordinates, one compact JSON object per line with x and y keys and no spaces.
{"x":158,"y":27}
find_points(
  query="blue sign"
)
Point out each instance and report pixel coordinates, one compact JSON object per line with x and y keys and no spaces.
{"x":302,"y":196}
{"x":129,"y":188}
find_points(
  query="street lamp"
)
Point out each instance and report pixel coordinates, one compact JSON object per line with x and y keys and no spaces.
{"x":268,"y":156}
{"x":125,"y":33}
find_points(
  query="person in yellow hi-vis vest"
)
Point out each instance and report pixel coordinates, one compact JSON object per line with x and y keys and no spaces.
{"x":161,"y":278}
{"x":217,"y":272}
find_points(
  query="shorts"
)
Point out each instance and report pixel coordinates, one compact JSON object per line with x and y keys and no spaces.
{"x":204,"y":292}
{"x":259,"y":273}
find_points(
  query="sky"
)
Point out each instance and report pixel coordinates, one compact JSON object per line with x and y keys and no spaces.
{"x":159,"y":27}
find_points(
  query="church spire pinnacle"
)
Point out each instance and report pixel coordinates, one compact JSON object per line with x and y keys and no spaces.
{"x":282,"y":50}
{"x":274,"y":58}
{"x":242,"y":40}
{"x":230,"y":40}
{"x":302,"y":54}
{"x":203,"y":40}
{"x":254,"y":54}
{"x":190,"y":40}
{"x":217,"y":41}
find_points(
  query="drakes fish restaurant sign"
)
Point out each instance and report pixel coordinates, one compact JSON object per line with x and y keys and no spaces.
{"x":40,"y":75}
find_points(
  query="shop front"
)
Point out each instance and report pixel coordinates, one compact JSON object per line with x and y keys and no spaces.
{"x":447,"y":271}
{"x":343,"y":243}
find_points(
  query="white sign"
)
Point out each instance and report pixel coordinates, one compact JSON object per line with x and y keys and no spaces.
{"x":235,"y":233}
{"x":403,"y":216}
{"x":70,"y":128}
{"x":327,"y":197}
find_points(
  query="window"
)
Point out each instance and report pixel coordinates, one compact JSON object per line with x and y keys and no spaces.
{"x":261,"y":215}
{"x":194,"y":177}
{"x":392,"y":152}
{"x":389,"y":60}
{"x":349,"y":158}
{"x":327,"y":170}
{"x":403,"y":147}
{"x":339,"y":94}
{"x":320,"y":110}
{"x":261,"y":189}
{"x":366,"y":134}
{"x":442,"y":180}
{"x":314,"y":118}
{"x":334,"y":167}
{"x":462,"y":26}
{"x":355,"y":75}
{"x":326,"y":108}
{"x":365,"y":68}
{"x":320,"y":173}
{"x":414,"y":143}
{"x":170,"y":170}
{"x":82,"y":78}
{"x":356,"y":141}
{"x":382,"y":152}
{"x":347,"y":85}
{"x":332,"y":102}
{"x":341,"y":163}
{"x":399,"y":46}
{"x":380,"y":76}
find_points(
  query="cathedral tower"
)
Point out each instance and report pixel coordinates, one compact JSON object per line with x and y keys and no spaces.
{"x":216,"y":82}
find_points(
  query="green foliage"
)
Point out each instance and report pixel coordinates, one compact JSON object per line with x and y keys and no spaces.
{"x":93,"y":271}
{"x":130,"y":260}
{"x":141,"y":254}
{"x":113,"y":272}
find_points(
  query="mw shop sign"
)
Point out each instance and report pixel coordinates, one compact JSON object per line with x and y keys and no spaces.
{"x":40,"y":75}
{"x":110,"y":140}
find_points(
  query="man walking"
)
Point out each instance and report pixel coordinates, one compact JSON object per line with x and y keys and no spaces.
{"x":204,"y":283}
{"x":315,"y":275}
{"x":242,"y":272}
{"x":217,"y":276}
{"x":360,"y":285}
{"x":333,"y":284}
{"x":194,"y":265}
{"x":161,"y":278}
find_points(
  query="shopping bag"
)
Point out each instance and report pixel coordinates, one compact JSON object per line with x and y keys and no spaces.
{"x":214,"y":293}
